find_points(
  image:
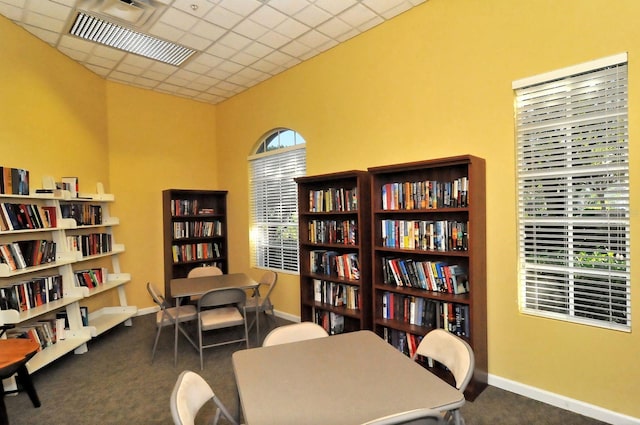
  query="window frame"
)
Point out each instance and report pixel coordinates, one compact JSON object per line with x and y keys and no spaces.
{"x":559,"y":248}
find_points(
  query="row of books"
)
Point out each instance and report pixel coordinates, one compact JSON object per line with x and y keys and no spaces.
{"x":331,"y":263}
{"x":23,"y":254}
{"x":26,"y":216}
{"x":336,"y":294}
{"x":23,"y":296}
{"x":44,"y":332}
{"x":426,"y":312}
{"x":332,"y":322}
{"x":333,"y":231}
{"x":90,"y":244}
{"x":196,"y":229}
{"x":84,"y":214}
{"x":195,"y":251}
{"x":404,"y":342}
{"x":14,"y":181}
{"x":91,"y":278}
{"x":434,"y":276}
{"x":333,"y":199}
{"x":427,"y":194}
{"x":180,"y":207}
{"x":425,"y":235}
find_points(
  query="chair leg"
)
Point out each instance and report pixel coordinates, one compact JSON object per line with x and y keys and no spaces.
{"x":200,"y":345}
{"x":4,"y":418}
{"x":27,"y":384}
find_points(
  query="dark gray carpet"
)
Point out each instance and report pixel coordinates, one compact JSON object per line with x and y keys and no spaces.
{"x":115,"y":383}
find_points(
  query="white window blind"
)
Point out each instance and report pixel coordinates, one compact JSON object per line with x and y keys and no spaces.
{"x":274,"y":208}
{"x":573,"y":194}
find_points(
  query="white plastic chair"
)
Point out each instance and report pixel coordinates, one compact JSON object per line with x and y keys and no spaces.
{"x":424,"y":416}
{"x":189,"y":394}
{"x":295,"y":332}
{"x":454,"y":353}
{"x":261,"y":304}
{"x":167,"y":316}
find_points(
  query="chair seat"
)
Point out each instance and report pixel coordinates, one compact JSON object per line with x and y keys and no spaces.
{"x":221,"y":318}
{"x":184,"y":313}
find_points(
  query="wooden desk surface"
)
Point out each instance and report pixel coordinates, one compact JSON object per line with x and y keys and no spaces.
{"x":15,"y":349}
{"x":189,"y":286}
{"x":343,"y":379}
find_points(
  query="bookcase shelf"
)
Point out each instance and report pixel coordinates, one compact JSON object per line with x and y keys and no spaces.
{"x":428,"y":254}
{"x":194,"y":230}
{"x":334,"y":218}
{"x":29,"y":281}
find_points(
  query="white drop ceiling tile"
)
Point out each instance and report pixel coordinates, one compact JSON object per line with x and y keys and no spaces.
{"x":76,"y":55}
{"x":207,"y":60}
{"x":250,"y":29}
{"x":52,"y":9}
{"x":268,"y":17}
{"x":223,"y":17}
{"x":289,"y":7}
{"x":295,"y":48}
{"x":334,"y":28}
{"x":291,"y":28}
{"x":313,"y":16}
{"x":381,"y":6}
{"x":197,"y":67}
{"x":101,"y":62}
{"x":328,"y":45}
{"x":209,"y":98}
{"x":129,"y":69}
{"x":145,"y":82}
{"x":416,"y":2}
{"x":179,"y":19}
{"x":208,"y":30}
{"x":153,"y":75}
{"x":108,"y":52}
{"x":357,"y":15}
{"x":244,"y":7}
{"x":258,"y":50}
{"x":103,"y":72}
{"x":199,"y":87}
{"x":164,"y":68}
{"x":243,"y":59}
{"x":44,"y":22}
{"x":122,"y":76}
{"x":137,"y":61}
{"x":17,"y":3}
{"x":221,"y":51}
{"x":166,"y":32}
{"x":215,"y":91}
{"x":239,"y":80}
{"x":293,"y":62}
{"x":206,"y":80}
{"x":274,"y":40}
{"x":230,"y":67}
{"x":185,"y":75}
{"x":235,"y":40}
{"x":309,"y":55}
{"x":347,"y":35}
{"x":224,"y":85}
{"x":167,"y":88}
{"x":47,"y":36}
{"x":197,"y":8}
{"x":334,"y":7}
{"x":375,"y":21}
{"x":251,"y":74}
{"x":186,"y":92}
{"x":75,"y":43}
{"x":266,"y":67}
{"x":176,"y":81}
{"x":313,"y":39}
{"x":11,"y":12}
{"x":70,"y":3}
{"x":195,"y":42}
{"x":278,"y":58}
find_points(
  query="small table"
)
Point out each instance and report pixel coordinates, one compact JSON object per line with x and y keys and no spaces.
{"x":14,"y":355}
{"x":190,"y":286}
{"x":349,"y":378}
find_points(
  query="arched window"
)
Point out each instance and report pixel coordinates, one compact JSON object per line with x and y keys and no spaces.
{"x":278,"y":159}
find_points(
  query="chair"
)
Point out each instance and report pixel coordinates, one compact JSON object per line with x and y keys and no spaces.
{"x":200,"y":272}
{"x":454,"y":353}
{"x":295,"y":332}
{"x":219,"y":309}
{"x":189,"y":394}
{"x":167,"y":316}
{"x":424,"y":416}
{"x":260,"y":304}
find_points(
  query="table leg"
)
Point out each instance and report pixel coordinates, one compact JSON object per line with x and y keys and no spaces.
{"x":175,"y":338}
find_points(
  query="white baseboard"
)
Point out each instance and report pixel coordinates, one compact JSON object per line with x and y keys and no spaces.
{"x":563,"y":402}
{"x":148,"y":310}
{"x":286,"y":316}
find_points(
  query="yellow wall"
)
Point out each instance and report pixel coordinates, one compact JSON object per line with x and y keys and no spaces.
{"x":437,"y":82}
{"x":433,"y":82}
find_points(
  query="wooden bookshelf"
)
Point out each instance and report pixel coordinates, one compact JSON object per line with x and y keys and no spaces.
{"x":334,"y":222}
{"x":195,"y":231}
{"x":413,"y":234}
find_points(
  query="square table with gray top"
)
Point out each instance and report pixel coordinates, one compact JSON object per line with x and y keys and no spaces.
{"x":349,"y":378}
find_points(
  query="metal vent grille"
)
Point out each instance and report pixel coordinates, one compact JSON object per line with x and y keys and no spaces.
{"x":113,"y":35}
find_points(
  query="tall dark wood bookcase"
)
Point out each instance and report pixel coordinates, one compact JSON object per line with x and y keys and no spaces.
{"x":195,"y":231}
{"x":413,"y":235}
{"x":335,"y":274}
